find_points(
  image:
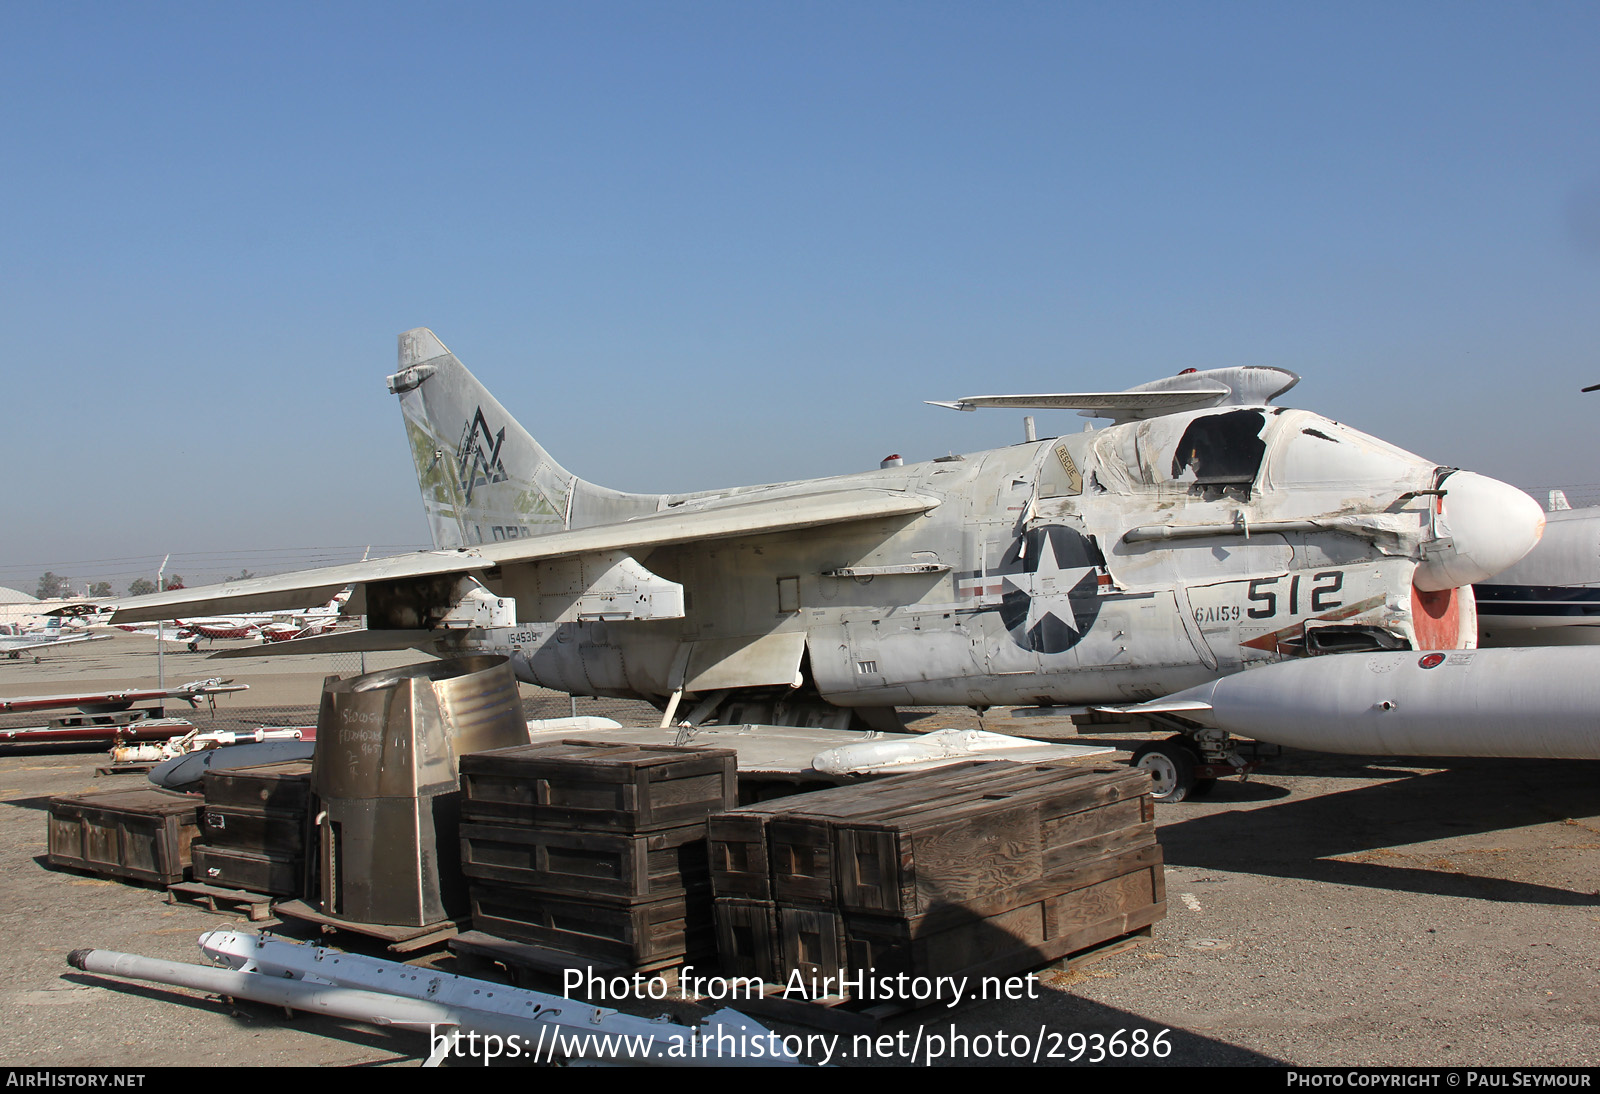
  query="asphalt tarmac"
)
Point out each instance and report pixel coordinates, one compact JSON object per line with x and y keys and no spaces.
{"x":1332,"y":911}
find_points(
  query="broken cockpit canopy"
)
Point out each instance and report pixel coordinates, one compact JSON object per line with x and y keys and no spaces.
{"x":1204,"y":453}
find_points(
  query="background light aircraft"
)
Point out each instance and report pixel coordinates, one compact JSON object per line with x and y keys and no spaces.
{"x":267,"y":626}
{"x":15,"y":640}
{"x":288,"y":630}
{"x":263,"y":626}
{"x":1204,"y":532}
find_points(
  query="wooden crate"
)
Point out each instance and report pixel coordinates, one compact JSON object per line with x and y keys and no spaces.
{"x":741,"y":847}
{"x":907,"y":865}
{"x":140,"y":834}
{"x":276,"y":875}
{"x":980,"y":869}
{"x":615,"y":933}
{"x":1009,"y":932}
{"x":747,"y":938}
{"x":811,"y":942}
{"x":762,"y":853}
{"x":632,"y":867}
{"x":800,"y":851}
{"x":259,"y":831}
{"x":737,"y":852}
{"x":1108,"y":898}
{"x":901,"y":866}
{"x":282,"y":786}
{"x":903,"y":846}
{"x":612,"y":787}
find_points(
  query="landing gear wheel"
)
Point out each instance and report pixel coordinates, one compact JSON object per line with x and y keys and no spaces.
{"x":1171,"y":766}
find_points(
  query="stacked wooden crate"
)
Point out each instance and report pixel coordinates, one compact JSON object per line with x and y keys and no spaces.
{"x":255,"y":828}
{"x":595,"y":851}
{"x":141,"y":834}
{"x":976,"y":869}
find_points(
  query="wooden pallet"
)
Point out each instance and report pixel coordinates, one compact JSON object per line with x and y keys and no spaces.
{"x":398,"y":939}
{"x":255,"y":905}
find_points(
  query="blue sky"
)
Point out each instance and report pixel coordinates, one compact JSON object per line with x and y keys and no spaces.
{"x":702,"y":244}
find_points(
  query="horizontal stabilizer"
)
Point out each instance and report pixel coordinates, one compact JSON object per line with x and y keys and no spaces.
{"x":676,"y":525}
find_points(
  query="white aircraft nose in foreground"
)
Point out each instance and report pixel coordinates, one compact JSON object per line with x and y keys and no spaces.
{"x":1491,"y":527}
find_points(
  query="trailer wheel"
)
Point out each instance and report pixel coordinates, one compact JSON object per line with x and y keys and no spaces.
{"x":1171,"y":767}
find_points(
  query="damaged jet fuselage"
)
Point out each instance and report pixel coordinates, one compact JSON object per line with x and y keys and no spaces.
{"x":1113,"y":565}
{"x":1203,"y":532}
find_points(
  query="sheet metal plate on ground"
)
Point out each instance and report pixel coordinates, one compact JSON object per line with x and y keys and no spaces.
{"x":789,"y":750}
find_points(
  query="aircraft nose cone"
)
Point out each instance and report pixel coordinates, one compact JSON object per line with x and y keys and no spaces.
{"x":1490,"y":526}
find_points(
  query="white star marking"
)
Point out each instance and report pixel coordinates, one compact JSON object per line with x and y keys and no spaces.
{"x":1048,"y":586}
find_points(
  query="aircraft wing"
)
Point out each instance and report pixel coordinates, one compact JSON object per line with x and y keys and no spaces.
{"x":1107,"y":400}
{"x":102,"y":702}
{"x":669,"y":526}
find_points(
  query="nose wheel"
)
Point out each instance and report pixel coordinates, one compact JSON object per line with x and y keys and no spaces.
{"x":1172,"y":764}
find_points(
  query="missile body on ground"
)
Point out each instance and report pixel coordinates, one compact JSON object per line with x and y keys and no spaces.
{"x":530,"y":1025}
{"x":1533,"y":703}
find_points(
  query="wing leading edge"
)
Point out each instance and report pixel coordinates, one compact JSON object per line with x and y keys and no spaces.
{"x":296,"y":590}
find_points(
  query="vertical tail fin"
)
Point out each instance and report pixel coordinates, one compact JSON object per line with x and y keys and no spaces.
{"x":483,"y":477}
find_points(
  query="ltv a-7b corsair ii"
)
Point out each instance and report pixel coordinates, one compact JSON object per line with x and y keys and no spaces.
{"x":1205,"y":531}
